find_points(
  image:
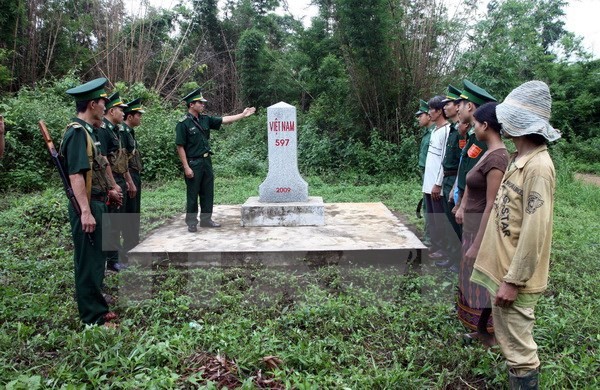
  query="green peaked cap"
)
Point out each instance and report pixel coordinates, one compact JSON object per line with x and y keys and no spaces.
{"x":452,"y":94}
{"x":115,"y":100}
{"x":423,"y":107}
{"x":194,"y":96}
{"x":135,"y":106}
{"x":89,"y":91}
{"x":475,"y":94}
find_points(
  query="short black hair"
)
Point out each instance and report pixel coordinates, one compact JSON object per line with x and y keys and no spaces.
{"x":81,"y":106}
{"x":131,"y":113}
{"x":437,"y":103}
{"x":487,"y":113}
{"x":537,"y":139}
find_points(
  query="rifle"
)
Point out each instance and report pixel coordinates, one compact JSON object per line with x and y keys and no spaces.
{"x":61,"y":172}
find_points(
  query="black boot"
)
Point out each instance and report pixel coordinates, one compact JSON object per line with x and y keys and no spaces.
{"x":529,"y":381}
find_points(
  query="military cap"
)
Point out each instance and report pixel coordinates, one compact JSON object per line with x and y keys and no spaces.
{"x":475,"y":94}
{"x":89,"y":91}
{"x":452,"y":94}
{"x":135,"y":106}
{"x":193,"y":96}
{"x":423,"y":108}
{"x":115,"y":100}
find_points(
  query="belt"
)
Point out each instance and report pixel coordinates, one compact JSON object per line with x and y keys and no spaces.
{"x":205,"y":155}
{"x":450,"y":173}
{"x":99,"y":198}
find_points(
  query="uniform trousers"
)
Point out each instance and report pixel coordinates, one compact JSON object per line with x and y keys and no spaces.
{"x":131,"y":233}
{"x":202,"y":186}
{"x":89,"y":266}
{"x":115,"y":225}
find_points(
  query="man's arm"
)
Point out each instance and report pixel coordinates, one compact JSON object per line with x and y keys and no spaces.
{"x":186,"y":167}
{"x":234,"y":118}
{"x":88,"y":222}
{"x":131,"y":188}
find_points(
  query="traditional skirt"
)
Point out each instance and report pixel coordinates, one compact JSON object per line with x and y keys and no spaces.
{"x":472,"y":298}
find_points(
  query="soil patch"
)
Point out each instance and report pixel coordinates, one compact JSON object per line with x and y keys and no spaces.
{"x":588,"y":178}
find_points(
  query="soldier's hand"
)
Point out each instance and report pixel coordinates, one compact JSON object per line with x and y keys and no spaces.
{"x":115,"y":196}
{"x":88,"y":222}
{"x":188,"y":172}
{"x":131,"y":190}
{"x":249,"y":111}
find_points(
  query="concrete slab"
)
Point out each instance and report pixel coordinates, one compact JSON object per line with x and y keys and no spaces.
{"x":308,"y":213}
{"x":354,"y":234}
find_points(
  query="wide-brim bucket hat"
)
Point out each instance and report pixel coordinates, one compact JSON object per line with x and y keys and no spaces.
{"x":527,"y":110}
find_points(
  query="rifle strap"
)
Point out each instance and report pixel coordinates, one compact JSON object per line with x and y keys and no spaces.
{"x":90,"y":151}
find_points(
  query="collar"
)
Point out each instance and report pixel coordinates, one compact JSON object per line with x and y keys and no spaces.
{"x":525,"y":159}
{"x":85,"y":125}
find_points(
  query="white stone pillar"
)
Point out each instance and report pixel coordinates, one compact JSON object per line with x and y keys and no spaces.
{"x":283,"y":182}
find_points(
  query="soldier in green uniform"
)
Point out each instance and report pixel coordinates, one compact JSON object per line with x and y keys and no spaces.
{"x":424,"y":121}
{"x":133,"y":118}
{"x":112,"y":139}
{"x":86,"y":167}
{"x":454,"y":144}
{"x":471,"y":97}
{"x":192,"y":135}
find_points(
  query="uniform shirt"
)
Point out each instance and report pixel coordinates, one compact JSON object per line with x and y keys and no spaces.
{"x":453,"y":149}
{"x":516,"y":244}
{"x":130,"y":142}
{"x":424,"y":146}
{"x":434,"y":173}
{"x":110,"y":138}
{"x":73,"y":149}
{"x":195,"y":140}
{"x":471,"y":154}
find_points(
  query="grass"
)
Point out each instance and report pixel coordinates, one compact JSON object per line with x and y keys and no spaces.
{"x":331,"y":328}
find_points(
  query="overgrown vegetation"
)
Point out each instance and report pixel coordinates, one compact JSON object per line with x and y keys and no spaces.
{"x":330,"y":327}
{"x":355,"y":75}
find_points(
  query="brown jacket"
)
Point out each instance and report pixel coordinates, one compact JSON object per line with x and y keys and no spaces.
{"x":517,"y":239}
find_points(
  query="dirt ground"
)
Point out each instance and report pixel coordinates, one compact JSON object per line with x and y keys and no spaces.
{"x":588,"y":178}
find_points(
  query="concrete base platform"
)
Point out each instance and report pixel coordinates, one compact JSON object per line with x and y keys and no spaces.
{"x":362,"y":234}
{"x":309,"y":213}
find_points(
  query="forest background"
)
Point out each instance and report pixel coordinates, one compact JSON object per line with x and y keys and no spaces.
{"x":356,"y":74}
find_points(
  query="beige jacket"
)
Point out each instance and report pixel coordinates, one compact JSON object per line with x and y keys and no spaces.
{"x":516,"y":243}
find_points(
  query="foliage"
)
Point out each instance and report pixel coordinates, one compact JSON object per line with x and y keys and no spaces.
{"x":517,"y":41}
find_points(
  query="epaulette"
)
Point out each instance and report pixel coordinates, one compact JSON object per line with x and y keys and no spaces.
{"x":183,"y":119}
{"x":75,"y":125}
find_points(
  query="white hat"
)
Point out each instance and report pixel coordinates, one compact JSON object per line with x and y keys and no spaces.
{"x":526,"y":110}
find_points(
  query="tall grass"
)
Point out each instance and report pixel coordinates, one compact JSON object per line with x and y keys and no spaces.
{"x":331,"y":328}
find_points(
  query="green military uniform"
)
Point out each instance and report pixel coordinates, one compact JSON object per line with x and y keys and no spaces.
{"x":112,"y":139}
{"x":423,"y":148}
{"x":474,"y":149}
{"x":194,"y":135}
{"x":131,"y":235}
{"x":454,"y":145}
{"x":423,"y":109}
{"x":81,"y":155}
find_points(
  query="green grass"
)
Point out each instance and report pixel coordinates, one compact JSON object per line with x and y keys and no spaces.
{"x":332,"y":328}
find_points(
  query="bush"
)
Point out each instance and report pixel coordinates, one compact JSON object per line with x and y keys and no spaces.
{"x":583,"y":154}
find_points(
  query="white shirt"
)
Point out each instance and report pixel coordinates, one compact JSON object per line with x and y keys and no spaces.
{"x":434,"y":172}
